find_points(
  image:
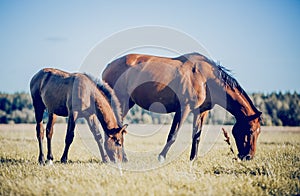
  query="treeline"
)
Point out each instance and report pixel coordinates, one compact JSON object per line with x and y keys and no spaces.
{"x":16,"y":108}
{"x":280,"y":109}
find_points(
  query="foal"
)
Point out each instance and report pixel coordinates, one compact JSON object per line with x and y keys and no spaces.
{"x":76,"y":95}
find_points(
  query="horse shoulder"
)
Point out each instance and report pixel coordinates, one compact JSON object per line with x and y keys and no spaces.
{"x":83,"y":89}
{"x":114,"y":70}
{"x":193,"y":83}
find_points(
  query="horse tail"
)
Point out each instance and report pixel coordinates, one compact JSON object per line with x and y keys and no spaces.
{"x":35,"y":84}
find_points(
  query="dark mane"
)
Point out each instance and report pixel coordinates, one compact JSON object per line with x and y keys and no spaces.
{"x":225,"y":75}
{"x":110,"y":95}
{"x":227,"y":78}
{"x":221,"y":72}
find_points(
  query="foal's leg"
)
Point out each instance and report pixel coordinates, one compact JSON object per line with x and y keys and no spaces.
{"x":69,"y":136}
{"x":178,"y":120}
{"x":94,"y":127}
{"x":39,"y":111}
{"x":198,"y":122}
{"x":49,"y":133}
{"x":125,"y":110}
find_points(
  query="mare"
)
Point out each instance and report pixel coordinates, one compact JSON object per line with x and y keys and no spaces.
{"x":191,"y":83}
{"x":76,"y":95}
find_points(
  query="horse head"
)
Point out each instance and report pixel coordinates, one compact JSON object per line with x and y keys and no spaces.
{"x":114,"y":143}
{"x":246,"y":132}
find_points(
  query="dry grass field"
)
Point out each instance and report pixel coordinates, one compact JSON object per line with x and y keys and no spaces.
{"x":274,"y":171}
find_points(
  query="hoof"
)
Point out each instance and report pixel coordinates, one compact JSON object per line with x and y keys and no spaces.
{"x":41,"y":160}
{"x":49,"y":162}
{"x":64,"y":160}
{"x":161,"y":159}
{"x":125,"y":159}
{"x":193,"y":157}
{"x":105,"y":159}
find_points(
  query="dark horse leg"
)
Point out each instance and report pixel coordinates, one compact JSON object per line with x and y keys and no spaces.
{"x":69,"y":136}
{"x":39,"y":111}
{"x":178,"y":120}
{"x":95,"y":129}
{"x":49,"y":133}
{"x":197,"y":128}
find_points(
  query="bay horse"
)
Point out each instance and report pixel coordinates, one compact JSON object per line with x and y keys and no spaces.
{"x":188,"y":83}
{"x":76,"y":95}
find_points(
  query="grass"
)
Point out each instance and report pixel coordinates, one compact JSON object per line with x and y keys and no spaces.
{"x":274,"y":171}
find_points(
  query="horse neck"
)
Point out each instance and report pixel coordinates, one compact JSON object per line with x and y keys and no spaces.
{"x":245,"y":106}
{"x":236,"y":101}
{"x":105,"y":113}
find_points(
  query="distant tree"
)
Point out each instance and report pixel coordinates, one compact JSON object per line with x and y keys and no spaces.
{"x":281,"y":109}
{"x":3,"y":117}
{"x":146,"y":118}
{"x":6,"y":103}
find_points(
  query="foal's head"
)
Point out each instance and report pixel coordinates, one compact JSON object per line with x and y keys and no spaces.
{"x":114,"y":144}
{"x":246,"y":132}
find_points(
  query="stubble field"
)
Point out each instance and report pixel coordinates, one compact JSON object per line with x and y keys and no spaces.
{"x":275,"y":169}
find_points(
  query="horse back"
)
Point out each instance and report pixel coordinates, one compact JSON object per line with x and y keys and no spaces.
{"x":143,"y":64}
{"x":149,"y":79}
{"x":53,"y":88}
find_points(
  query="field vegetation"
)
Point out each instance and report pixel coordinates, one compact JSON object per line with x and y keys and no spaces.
{"x":274,"y":171}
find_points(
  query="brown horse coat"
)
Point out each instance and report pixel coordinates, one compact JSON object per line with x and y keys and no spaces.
{"x":76,"y":95}
{"x":188,"y":83}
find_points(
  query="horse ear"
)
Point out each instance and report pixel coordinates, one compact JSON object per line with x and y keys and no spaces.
{"x":123,"y":129}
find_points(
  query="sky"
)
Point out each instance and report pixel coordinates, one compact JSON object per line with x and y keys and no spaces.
{"x":258,"y":40}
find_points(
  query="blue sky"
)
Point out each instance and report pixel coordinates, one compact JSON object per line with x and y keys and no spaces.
{"x":258,"y":40}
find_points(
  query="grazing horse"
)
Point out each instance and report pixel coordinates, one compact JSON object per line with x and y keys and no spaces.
{"x":188,"y":83}
{"x":76,"y":95}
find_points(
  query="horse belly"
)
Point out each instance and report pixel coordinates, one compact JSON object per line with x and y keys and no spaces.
{"x":56,"y":103}
{"x":150,"y":98}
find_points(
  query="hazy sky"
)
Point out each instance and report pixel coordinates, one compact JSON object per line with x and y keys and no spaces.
{"x":258,"y":40}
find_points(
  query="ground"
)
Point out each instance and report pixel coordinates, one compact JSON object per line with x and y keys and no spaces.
{"x":273,"y":171}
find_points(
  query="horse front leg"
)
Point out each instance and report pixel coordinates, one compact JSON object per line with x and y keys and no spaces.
{"x":95,"y":129}
{"x":198,"y":122}
{"x":178,"y":120}
{"x":49,"y":133}
{"x":69,"y":136}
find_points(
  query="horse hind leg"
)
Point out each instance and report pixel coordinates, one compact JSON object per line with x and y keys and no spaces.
{"x":49,"y":133}
{"x":39,"y":111}
{"x":178,"y":120}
